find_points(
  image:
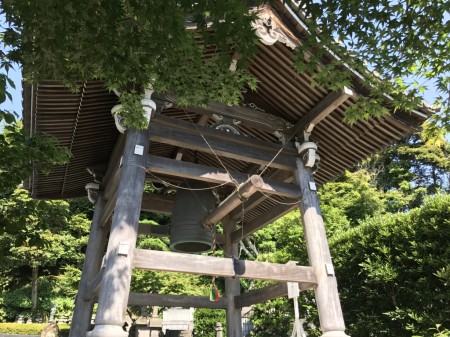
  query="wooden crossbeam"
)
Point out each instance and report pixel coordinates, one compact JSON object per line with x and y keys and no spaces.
{"x":271,"y":215}
{"x":216,"y":266}
{"x":249,"y":117}
{"x":157,"y":203}
{"x":183,"y":134}
{"x":153,"y":230}
{"x":215,"y":175}
{"x":266,"y":294}
{"x":184,"y":301}
{"x":253,"y":118}
{"x":162,"y":231}
{"x":321,"y":110}
{"x":261,"y":295}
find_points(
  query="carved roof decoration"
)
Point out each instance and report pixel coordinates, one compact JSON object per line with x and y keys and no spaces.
{"x":270,"y":29}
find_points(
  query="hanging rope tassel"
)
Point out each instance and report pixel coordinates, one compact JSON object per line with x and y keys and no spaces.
{"x":214,"y":293}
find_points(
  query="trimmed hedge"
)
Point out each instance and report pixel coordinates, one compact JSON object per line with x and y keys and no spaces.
{"x":30,"y":329}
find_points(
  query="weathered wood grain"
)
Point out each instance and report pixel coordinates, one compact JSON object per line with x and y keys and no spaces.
{"x":216,"y":266}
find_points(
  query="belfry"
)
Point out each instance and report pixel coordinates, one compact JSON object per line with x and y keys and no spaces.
{"x":242,"y":166}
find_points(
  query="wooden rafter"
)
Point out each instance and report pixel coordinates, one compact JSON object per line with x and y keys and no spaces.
{"x":321,"y":111}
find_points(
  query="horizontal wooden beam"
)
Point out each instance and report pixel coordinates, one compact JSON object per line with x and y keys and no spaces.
{"x":266,"y":294}
{"x":242,"y":192}
{"x":187,"y":135}
{"x":161,"y":231}
{"x":261,"y":295}
{"x":215,"y":175}
{"x":152,"y":202}
{"x":184,"y":301}
{"x":216,"y":266}
{"x":250,"y":117}
{"x":268,"y":217}
{"x":153,"y":230}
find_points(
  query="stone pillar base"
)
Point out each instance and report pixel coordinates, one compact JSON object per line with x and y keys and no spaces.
{"x":335,"y":334}
{"x":107,"y":331}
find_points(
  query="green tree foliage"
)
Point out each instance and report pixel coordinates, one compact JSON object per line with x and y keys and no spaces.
{"x":392,"y":266}
{"x":20,"y":155}
{"x":406,"y":43}
{"x":136,"y":42}
{"x":350,"y":199}
{"x":37,"y":235}
{"x":205,"y":322}
{"x":144,"y":42}
{"x":416,"y":167}
{"x":397,"y":266}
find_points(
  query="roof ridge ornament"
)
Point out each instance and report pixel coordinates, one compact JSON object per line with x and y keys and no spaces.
{"x":269,"y":31}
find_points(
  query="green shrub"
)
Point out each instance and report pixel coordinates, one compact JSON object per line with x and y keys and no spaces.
{"x":22,"y":329}
{"x":30,"y":329}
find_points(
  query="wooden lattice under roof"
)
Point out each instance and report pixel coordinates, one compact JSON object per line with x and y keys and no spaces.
{"x":82,"y":122}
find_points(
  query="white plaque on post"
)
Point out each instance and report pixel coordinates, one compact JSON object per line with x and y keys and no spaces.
{"x":293,"y":290}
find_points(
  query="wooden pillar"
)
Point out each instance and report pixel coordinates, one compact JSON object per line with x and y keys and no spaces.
{"x":115,"y":285}
{"x":93,"y":258}
{"x":232,"y":285}
{"x":326,"y":292}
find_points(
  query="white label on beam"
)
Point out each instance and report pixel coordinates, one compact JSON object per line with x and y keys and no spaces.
{"x":139,"y":150}
{"x":293,"y":290}
{"x":330,"y":269}
{"x":124,"y":247}
{"x":312,"y":186}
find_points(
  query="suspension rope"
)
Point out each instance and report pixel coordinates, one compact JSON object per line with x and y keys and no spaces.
{"x":212,"y":150}
{"x":214,"y":293}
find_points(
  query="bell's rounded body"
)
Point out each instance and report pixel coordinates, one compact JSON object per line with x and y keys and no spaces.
{"x":187,"y":233}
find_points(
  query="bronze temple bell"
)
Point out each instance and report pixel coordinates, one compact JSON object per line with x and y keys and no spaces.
{"x":187,"y":233}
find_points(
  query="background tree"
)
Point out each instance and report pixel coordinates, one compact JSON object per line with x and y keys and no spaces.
{"x":20,"y":155}
{"x":415,"y":167}
{"x":393,"y":272}
{"x":404,"y":43}
{"x":388,"y":250}
{"x":145,"y":43}
{"x":37,"y":235}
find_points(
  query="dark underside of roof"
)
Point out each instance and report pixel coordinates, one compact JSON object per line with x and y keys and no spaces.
{"x":82,"y":122}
